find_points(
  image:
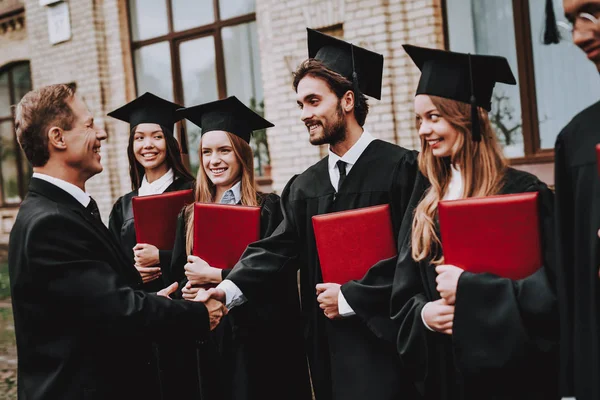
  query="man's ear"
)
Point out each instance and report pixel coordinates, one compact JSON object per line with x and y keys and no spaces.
{"x":348,"y":101}
{"x":56,"y":138}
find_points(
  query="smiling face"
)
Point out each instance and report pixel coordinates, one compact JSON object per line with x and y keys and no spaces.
{"x":586,"y":33}
{"x":436,"y":132}
{"x":83,"y":141}
{"x":150,"y":146}
{"x":322,"y":111}
{"x":219,"y":161}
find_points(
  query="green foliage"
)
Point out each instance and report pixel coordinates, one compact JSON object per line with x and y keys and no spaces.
{"x":4,"y":281}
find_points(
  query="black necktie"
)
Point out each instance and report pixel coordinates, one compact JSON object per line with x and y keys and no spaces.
{"x":93,"y":209}
{"x":342,"y":168}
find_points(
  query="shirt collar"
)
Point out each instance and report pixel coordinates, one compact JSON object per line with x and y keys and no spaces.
{"x":73,"y":190}
{"x":237,"y":192}
{"x":158,"y":186}
{"x":354,"y":152}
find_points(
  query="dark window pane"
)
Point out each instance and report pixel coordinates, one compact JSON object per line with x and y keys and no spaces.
{"x":242,"y":71}
{"x":487,"y":27}
{"x":8,"y":158}
{"x":199,"y":81}
{"x":4,"y":95}
{"x":566,"y":82}
{"x":153,"y":70}
{"x":148,"y":18}
{"x":235,"y":8}
{"x":21,"y":76}
{"x":192,"y":13}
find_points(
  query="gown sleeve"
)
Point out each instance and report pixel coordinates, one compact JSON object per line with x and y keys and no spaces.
{"x":370,"y":296}
{"x":263,"y":262}
{"x":523,"y":313}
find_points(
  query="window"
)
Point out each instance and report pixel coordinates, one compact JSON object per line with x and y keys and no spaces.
{"x":15,"y":170}
{"x":196,"y":51}
{"x":529,"y":116}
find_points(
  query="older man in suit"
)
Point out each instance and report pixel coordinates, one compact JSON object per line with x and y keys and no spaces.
{"x":83,"y":330}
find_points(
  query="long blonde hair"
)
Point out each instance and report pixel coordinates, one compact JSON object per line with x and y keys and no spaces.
{"x":205,"y":190}
{"x":482,"y":167}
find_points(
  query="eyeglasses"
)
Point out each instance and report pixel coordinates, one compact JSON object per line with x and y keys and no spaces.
{"x":583,"y":22}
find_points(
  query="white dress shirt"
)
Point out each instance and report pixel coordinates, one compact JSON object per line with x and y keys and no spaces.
{"x":454,"y":192}
{"x":233,"y":294}
{"x":73,"y":190}
{"x":158,"y":186}
{"x":236,"y":190}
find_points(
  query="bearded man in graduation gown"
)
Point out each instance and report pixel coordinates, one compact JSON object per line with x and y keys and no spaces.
{"x":578,"y":219}
{"x":351,"y":350}
{"x":83,"y":329}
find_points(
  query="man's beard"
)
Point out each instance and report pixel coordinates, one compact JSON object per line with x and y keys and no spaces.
{"x":334,"y":132}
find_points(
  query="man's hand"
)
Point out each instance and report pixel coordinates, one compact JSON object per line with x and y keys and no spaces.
{"x":149,"y":274}
{"x":327,"y":296}
{"x":190,"y":291}
{"x":439,"y":316}
{"x":447,"y":281}
{"x":145,"y":255}
{"x":216,"y":311}
{"x":212,"y":293}
{"x":168,"y":291}
{"x":199,"y":272}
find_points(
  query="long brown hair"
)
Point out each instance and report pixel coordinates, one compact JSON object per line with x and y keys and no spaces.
{"x":173,"y":159}
{"x":482,"y":168}
{"x":206,"y":190}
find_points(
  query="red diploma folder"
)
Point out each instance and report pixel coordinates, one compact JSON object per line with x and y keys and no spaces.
{"x":496,"y":234}
{"x":223,"y":231}
{"x":351,"y":242}
{"x":598,"y":157}
{"x":155,"y":217}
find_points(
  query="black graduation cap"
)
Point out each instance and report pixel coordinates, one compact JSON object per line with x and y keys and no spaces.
{"x":469,"y":78}
{"x":362,"y":67}
{"x":151,"y":109}
{"x":551,"y":33}
{"x":230,"y":115}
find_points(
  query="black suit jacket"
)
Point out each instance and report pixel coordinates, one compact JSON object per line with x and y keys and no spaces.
{"x":83,"y":330}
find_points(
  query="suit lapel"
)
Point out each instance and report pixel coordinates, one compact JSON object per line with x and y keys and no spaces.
{"x":58,"y":195}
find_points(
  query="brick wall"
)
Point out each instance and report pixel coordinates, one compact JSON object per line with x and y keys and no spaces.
{"x":379,"y":25}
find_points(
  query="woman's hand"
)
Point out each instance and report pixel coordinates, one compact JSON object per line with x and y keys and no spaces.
{"x":439,"y":316}
{"x":447,"y":281}
{"x":199,"y":272}
{"x":149,"y":274}
{"x":189,"y":291}
{"x":145,"y":255}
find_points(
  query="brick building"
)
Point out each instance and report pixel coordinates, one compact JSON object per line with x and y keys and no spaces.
{"x":193,"y":51}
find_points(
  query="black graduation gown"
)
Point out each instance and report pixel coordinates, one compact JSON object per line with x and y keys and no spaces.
{"x":257,"y":351}
{"x":120,"y":224}
{"x":82,"y":330}
{"x":505,"y":333}
{"x":348,"y":359}
{"x":578,"y":220}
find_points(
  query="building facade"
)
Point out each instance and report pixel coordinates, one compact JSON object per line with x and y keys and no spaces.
{"x":194,"y":51}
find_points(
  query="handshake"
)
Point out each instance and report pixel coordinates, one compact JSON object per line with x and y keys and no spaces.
{"x":213,"y":299}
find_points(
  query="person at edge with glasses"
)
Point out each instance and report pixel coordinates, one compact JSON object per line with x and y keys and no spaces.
{"x":578,"y":217}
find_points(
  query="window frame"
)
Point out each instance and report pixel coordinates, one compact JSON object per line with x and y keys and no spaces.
{"x":534,"y":154}
{"x":176,"y":38}
{"x":9,"y":68}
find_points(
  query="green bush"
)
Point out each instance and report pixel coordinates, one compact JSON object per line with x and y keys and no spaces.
{"x":4,"y":282}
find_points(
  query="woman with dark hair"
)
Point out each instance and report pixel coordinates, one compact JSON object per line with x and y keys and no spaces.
{"x":155,"y":167}
{"x":257,"y":351}
{"x":465,"y":335}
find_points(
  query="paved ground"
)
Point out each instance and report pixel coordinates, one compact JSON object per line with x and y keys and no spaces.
{"x":8,"y":353}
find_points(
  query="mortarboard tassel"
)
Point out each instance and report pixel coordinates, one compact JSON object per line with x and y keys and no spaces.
{"x":475,"y":129}
{"x":355,"y":87}
{"x":551,"y":33}
{"x":183,"y":146}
